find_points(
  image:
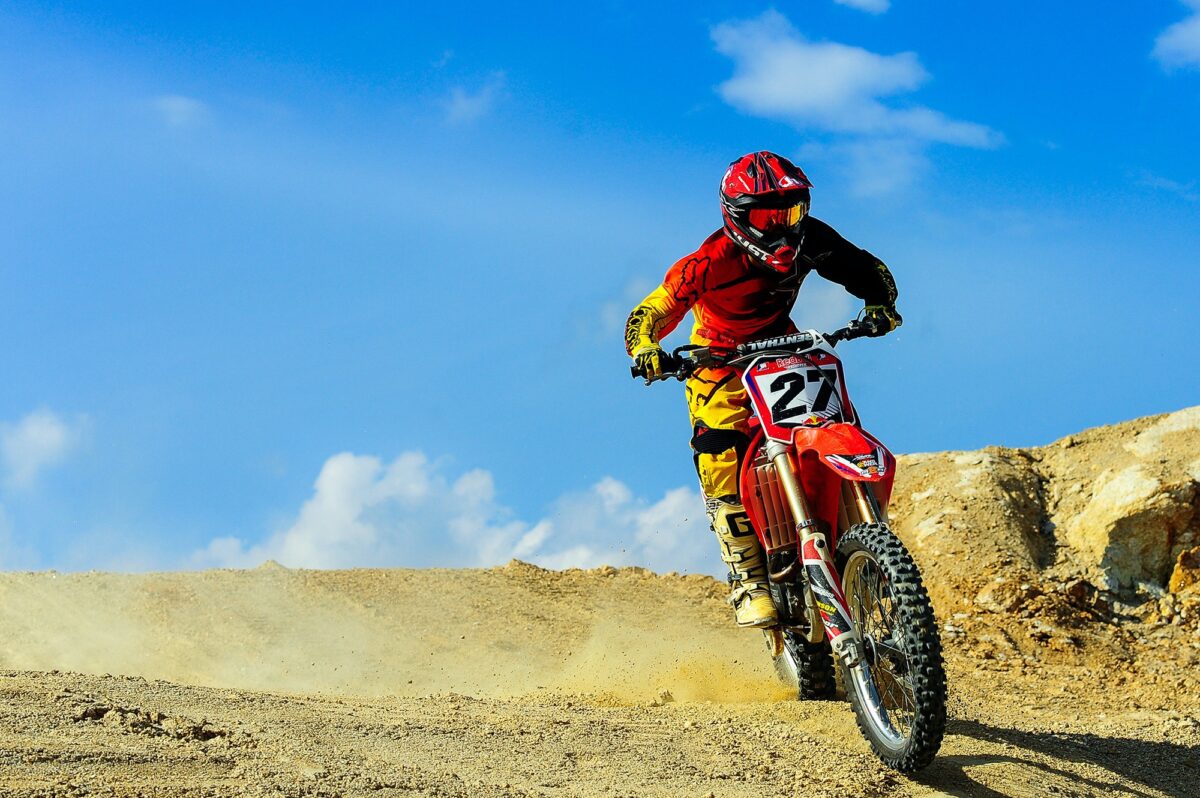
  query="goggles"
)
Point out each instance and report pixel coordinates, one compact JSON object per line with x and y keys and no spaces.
{"x":774,"y":222}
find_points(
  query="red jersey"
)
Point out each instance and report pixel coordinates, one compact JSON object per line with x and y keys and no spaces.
{"x":735,"y":300}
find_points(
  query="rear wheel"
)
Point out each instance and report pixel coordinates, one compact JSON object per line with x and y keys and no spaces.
{"x":898,"y":691}
{"x":808,"y":666}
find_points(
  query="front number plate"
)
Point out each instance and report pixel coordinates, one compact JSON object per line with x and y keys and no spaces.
{"x":796,"y":392}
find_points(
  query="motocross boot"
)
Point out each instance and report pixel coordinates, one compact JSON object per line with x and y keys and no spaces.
{"x":741,"y":551}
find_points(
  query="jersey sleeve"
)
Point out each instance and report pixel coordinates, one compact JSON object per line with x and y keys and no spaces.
{"x":659,"y":313}
{"x":839,"y":261}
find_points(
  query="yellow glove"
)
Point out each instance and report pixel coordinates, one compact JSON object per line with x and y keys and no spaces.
{"x":883,"y":318}
{"x":648,"y":359}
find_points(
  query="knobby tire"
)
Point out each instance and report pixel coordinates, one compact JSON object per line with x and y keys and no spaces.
{"x":814,"y":669}
{"x":918,"y":635}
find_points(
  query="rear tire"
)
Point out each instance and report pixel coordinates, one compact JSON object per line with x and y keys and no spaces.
{"x":899,"y":692}
{"x":808,"y":666}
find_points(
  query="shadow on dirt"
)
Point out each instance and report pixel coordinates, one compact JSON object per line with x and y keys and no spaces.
{"x":1044,"y":761}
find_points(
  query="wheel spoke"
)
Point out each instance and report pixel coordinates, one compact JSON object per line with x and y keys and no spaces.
{"x":875,"y":612}
{"x":898,"y":690}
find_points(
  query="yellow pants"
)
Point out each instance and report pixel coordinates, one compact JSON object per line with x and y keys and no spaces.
{"x":719,"y":408}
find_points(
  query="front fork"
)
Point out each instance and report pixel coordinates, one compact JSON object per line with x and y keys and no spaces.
{"x":828,"y":611}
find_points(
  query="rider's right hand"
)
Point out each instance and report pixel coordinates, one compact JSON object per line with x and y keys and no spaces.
{"x":648,"y":360}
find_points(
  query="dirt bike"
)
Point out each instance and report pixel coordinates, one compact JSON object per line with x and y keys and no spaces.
{"x":816,"y":486}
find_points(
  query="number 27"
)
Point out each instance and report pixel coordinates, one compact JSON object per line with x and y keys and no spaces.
{"x":792,"y":384}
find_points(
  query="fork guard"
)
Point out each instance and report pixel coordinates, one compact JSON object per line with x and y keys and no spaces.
{"x":825,"y":588}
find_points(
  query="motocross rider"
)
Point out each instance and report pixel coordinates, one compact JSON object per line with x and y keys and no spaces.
{"x":741,"y":285}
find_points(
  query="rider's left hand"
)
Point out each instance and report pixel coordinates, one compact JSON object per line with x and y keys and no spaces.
{"x":882,"y":318}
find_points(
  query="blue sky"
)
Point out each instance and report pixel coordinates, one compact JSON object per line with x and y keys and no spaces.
{"x":346,"y":286}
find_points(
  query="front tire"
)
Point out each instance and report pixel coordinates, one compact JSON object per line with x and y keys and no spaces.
{"x":898,"y":691}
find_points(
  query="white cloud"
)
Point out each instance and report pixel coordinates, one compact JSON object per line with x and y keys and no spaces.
{"x":870,"y":6}
{"x":1179,"y":45}
{"x":830,"y":86}
{"x":36,"y":442}
{"x":464,"y":106}
{"x":179,"y":111}
{"x":609,"y":525}
{"x":410,"y":512}
{"x":848,"y":94}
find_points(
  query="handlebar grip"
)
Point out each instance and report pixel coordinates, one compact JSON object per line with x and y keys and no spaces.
{"x":672,"y":366}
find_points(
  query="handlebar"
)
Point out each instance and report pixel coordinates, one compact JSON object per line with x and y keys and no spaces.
{"x":684,"y":360}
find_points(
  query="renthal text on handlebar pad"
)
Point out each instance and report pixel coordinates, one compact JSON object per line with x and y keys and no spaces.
{"x":800,"y":339}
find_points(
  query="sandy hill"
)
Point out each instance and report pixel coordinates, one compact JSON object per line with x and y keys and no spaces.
{"x":1066,"y":578}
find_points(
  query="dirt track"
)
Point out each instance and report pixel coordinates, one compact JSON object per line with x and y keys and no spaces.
{"x":553,"y":686}
{"x":67,"y":734}
{"x":518,"y":681}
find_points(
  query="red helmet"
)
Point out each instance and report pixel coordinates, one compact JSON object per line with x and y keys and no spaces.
{"x":765,"y":199}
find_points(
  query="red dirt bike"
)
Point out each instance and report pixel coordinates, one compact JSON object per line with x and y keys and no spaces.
{"x":816,"y":487}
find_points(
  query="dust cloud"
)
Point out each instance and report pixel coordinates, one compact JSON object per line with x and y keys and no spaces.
{"x":379,"y":632}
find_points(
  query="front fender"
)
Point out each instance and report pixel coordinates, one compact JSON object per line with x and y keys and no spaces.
{"x":848,"y":451}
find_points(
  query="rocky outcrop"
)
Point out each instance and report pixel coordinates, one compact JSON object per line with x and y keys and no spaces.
{"x":970,"y":516}
{"x":1133,"y":528}
{"x":1116,"y":506}
{"x":1128,"y":497}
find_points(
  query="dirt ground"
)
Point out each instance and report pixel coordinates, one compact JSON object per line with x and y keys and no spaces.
{"x":1066,"y":677}
{"x":610,"y":682}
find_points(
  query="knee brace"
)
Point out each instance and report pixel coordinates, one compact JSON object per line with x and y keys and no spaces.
{"x":718,"y":453}
{"x":706,"y":440}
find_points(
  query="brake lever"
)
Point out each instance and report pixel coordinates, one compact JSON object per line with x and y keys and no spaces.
{"x":855,"y":328}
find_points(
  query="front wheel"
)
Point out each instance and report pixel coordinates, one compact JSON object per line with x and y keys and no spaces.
{"x":898,"y":690}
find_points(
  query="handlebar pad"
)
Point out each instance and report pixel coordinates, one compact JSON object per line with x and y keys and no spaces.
{"x":800,"y":339}
{"x":680,"y":367}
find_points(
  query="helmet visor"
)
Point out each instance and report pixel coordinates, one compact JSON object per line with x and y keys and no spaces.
{"x":772,"y":223}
